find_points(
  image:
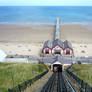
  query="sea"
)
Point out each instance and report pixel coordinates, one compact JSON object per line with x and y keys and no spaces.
{"x":45,"y":14}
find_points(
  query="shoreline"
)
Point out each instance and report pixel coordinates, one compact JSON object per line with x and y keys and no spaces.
{"x":29,"y":39}
{"x":39,"y":23}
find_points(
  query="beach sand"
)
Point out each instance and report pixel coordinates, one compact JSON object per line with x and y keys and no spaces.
{"x":28,"y":39}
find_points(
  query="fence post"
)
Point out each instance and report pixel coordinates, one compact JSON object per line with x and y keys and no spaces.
{"x":19,"y":87}
{"x":85,"y":87}
{"x":25,"y":84}
{"x":9,"y":90}
{"x":91,"y":89}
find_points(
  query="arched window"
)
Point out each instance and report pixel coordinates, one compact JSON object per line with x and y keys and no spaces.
{"x":67,"y":52}
{"x":47,"y":51}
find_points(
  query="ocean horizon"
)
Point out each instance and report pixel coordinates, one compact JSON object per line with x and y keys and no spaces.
{"x":45,"y":14}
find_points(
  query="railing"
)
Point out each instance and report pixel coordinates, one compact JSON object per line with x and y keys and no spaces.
{"x":84,"y":87}
{"x":23,"y":86}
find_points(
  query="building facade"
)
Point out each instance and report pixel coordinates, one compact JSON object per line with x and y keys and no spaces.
{"x":57,"y":47}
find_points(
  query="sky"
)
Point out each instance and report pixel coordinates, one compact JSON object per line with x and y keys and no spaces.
{"x":45,"y":2}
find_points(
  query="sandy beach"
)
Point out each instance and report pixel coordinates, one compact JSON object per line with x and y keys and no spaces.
{"x":28,"y":39}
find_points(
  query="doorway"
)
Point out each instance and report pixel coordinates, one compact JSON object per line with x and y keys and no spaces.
{"x":57,"y":68}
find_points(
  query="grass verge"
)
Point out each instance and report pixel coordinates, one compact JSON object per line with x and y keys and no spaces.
{"x":20,"y":72}
{"x":83,"y":71}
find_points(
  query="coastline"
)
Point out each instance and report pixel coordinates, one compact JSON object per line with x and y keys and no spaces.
{"x":44,"y":23}
{"x":29,"y":39}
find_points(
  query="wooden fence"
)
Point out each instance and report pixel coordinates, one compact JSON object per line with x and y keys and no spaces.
{"x":23,"y":86}
{"x":84,"y":87}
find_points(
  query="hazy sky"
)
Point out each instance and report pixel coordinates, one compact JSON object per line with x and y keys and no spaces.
{"x":47,"y":2}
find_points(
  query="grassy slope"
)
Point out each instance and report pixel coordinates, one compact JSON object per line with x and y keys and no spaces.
{"x":84,"y":72}
{"x":22,"y":72}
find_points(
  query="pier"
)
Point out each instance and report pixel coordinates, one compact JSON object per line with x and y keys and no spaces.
{"x":57,"y":34}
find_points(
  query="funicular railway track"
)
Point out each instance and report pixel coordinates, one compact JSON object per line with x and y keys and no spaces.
{"x":58,"y":83}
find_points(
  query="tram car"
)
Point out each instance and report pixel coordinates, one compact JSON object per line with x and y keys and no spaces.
{"x":55,"y":69}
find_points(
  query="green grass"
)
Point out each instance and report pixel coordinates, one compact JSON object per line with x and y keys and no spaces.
{"x":21,"y":71}
{"x":83,"y":71}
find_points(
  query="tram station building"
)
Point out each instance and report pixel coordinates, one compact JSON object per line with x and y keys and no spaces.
{"x":57,"y":47}
{"x":57,"y":53}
